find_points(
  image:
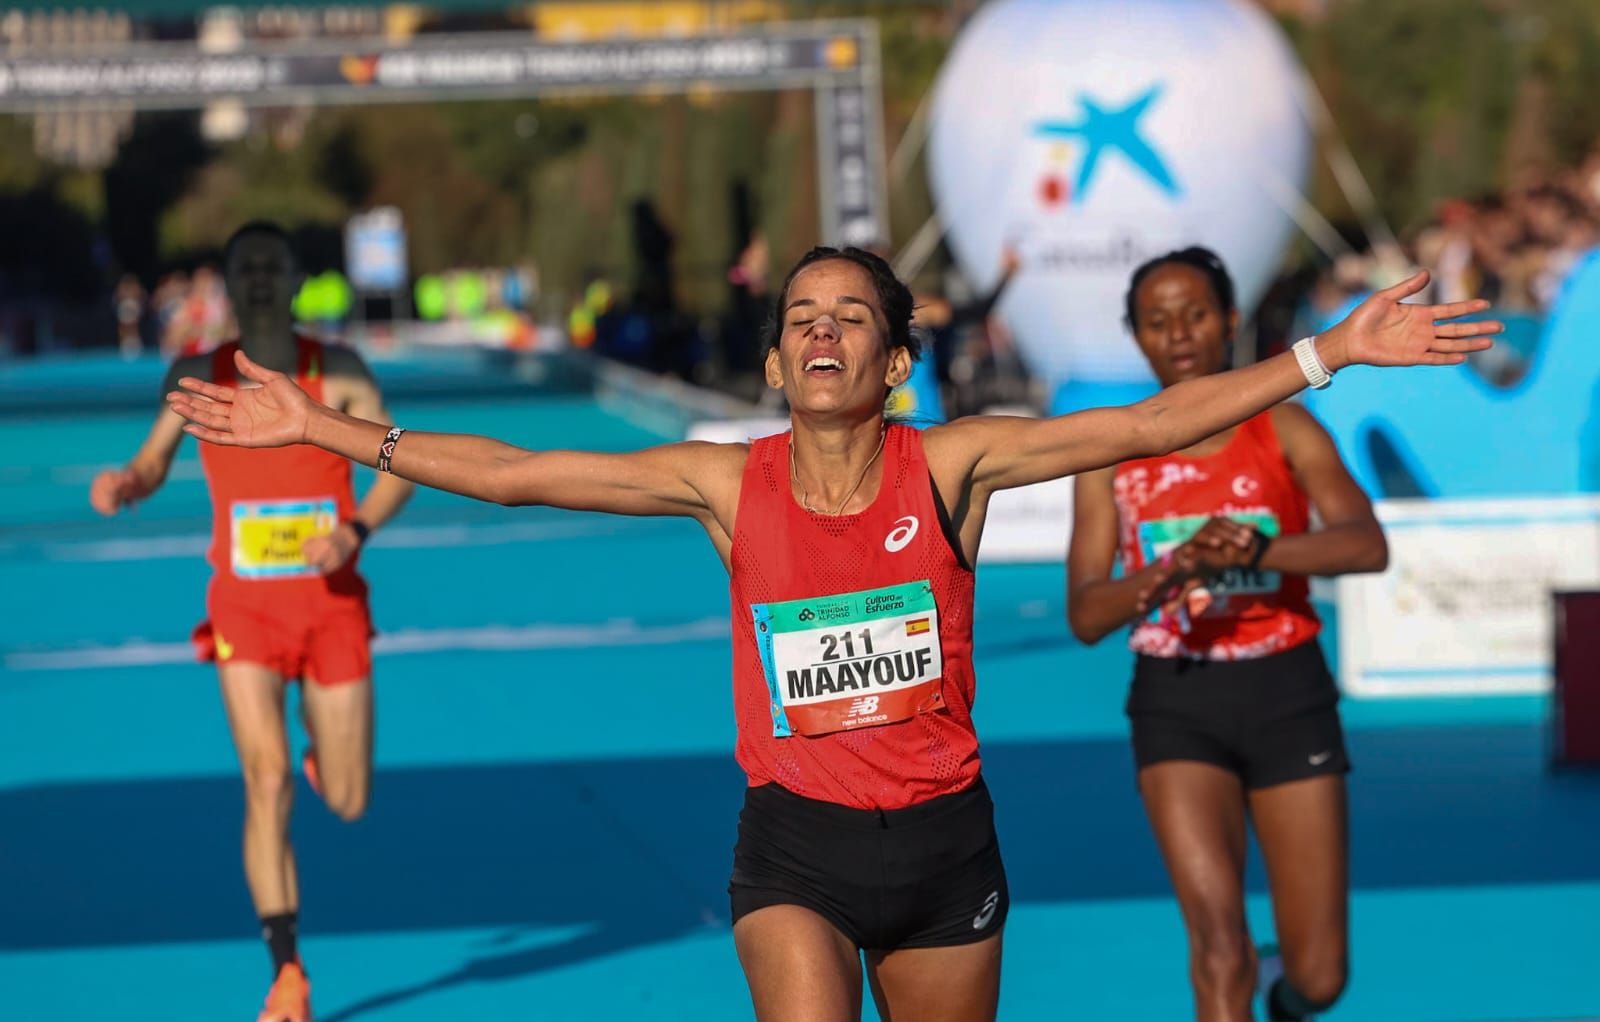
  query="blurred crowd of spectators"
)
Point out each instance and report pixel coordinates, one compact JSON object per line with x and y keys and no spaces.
{"x":186,"y":312}
{"x":1514,"y":248}
{"x":968,"y":347}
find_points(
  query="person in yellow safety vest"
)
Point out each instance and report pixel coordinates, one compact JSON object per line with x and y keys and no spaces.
{"x":582,"y":321}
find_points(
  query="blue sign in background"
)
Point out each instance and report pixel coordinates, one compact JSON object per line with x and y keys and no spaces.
{"x":1452,"y":433}
{"x":375,"y":250}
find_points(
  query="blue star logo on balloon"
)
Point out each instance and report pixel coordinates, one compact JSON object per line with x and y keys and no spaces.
{"x":1091,"y":135}
{"x":1102,"y":129}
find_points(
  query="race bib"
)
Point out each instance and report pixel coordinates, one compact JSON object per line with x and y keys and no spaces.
{"x":1160,"y":535}
{"x":268,"y":535}
{"x":853,"y":660}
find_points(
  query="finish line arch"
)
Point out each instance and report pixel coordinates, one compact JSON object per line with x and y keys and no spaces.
{"x":837,"y":60}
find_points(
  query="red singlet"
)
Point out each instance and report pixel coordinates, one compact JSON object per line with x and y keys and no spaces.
{"x":1163,"y":501}
{"x":885,"y":562}
{"x":264,"y":604}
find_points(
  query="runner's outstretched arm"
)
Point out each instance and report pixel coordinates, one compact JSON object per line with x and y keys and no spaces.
{"x":1382,"y":331}
{"x":655,"y":481}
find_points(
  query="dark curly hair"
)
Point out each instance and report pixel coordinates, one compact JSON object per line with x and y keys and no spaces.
{"x":894,"y":298}
{"x":1196,"y":256}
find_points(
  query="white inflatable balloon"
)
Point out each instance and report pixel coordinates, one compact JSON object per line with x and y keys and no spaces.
{"x":1094,"y":134}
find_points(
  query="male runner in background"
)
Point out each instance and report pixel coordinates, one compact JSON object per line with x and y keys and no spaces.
{"x":285,"y":601}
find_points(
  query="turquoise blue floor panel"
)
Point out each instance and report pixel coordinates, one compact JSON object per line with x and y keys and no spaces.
{"x":555,"y":800}
{"x":1099,"y":960}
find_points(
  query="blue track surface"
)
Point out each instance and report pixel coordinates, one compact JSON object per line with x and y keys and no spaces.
{"x":554,"y":810}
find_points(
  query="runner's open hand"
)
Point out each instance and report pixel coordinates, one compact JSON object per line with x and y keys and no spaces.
{"x":272,"y":414}
{"x":1385,"y":331}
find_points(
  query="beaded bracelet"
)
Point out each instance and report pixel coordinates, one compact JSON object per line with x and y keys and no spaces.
{"x":386,"y":449}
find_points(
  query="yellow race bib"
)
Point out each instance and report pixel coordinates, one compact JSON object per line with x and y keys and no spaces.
{"x":268,"y":535}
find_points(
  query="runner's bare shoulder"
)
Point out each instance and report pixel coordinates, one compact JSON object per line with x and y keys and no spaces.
{"x":198,"y":366}
{"x":343,"y":362}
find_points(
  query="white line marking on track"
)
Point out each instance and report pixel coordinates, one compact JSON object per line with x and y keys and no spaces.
{"x":417,"y":537}
{"x":183,"y":470}
{"x":140,"y":653}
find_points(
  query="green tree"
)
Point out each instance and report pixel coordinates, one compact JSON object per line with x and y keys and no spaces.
{"x":1444,"y":98}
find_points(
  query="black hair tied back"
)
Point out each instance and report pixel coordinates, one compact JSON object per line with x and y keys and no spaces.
{"x":1196,"y":256}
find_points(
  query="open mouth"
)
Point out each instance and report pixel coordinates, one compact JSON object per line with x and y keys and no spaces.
{"x":823,"y":365}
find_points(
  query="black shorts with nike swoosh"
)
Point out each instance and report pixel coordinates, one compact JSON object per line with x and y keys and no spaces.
{"x":926,"y":876}
{"x":1270,"y":720}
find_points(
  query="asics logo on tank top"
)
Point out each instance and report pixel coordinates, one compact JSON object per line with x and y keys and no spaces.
{"x":990,"y":904}
{"x":905,"y":530}
{"x":1244,"y":487}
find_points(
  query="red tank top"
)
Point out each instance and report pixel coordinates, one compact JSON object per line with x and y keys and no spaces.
{"x":1162,"y":501}
{"x":900,"y":572}
{"x":266,"y":502}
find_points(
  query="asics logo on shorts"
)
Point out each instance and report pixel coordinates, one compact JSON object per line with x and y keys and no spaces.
{"x":990,"y":904}
{"x":905,"y":530}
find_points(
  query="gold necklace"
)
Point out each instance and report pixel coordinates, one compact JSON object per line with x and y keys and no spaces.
{"x":805,"y":502}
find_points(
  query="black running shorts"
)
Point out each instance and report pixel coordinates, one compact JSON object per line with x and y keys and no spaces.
{"x":926,"y":876}
{"x":1270,"y":720}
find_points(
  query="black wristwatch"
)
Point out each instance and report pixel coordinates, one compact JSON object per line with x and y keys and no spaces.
{"x":361,"y":529}
{"x":1260,"y":541}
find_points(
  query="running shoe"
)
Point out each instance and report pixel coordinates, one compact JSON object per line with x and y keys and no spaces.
{"x":308,"y":764}
{"x":289,"y":1000}
{"x":1269,"y":969}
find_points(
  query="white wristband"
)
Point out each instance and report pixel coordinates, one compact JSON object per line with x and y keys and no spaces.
{"x":1305,"y":352}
